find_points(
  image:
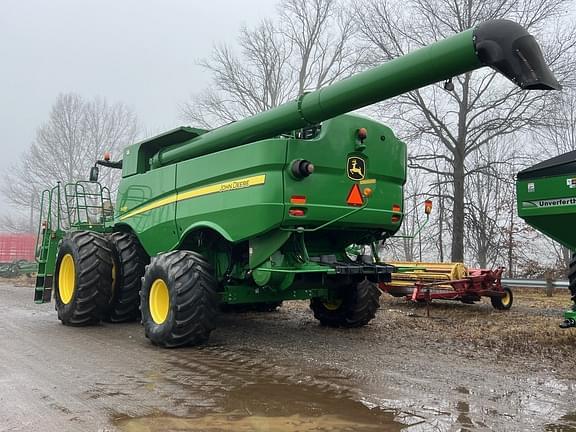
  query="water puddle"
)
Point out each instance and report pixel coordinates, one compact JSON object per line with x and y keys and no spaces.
{"x":247,"y":395}
{"x":566,"y":423}
{"x":214,"y":389}
{"x":237,"y":423}
{"x":282,"y":407}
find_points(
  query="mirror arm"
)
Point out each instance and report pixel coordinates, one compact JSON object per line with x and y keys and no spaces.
{"x":110,"y":164}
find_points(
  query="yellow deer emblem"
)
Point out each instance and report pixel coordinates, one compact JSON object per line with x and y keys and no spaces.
{"x":356,"y":168}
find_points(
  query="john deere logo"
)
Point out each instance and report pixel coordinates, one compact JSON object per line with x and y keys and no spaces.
{"x":356,"y":168}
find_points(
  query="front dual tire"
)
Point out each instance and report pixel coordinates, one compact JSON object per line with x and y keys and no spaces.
{"x":99,"y":278}
{"x":83,"y":278}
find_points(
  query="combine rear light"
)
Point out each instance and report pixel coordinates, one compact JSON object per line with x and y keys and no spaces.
{"x":107,"y":156}
{"x":395,"y":217}
{"x":296,"y":212}
{"x":428,"y":207}
{"x":367,"y":192}
{"x":298,"y":199}
{"x":362,"y":134}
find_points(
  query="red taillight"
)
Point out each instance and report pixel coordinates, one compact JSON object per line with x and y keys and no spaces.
{"x":395,"y":219}
{"x":428,"y":207}
{"x":362,"y":134}
{"x":107,"y":156}
{"x":298,"y":199}
{"x":296,"y":212}
{"x":396,"y":208}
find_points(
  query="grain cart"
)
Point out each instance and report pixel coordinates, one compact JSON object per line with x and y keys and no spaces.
{"x":257,"y":211}
{"x":546,"y":194}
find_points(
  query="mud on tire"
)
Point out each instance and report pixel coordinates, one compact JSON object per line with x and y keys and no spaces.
{"x":192,"y":304}
{"x":130,"y":260}
{"x":357,"y":306}
{"x":83,"y":278}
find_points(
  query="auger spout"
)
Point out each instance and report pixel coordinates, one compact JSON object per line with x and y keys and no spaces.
{"x":503,"y":45}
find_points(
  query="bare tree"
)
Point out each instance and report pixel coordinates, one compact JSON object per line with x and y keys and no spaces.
{"x":77,"y":133}
{"x":483,"y":107}
{"x":310,"y":46}
{"x":490,"y":197}
{"x":559,"y":135}
{"x":320,"y":32}
{"x":16,"y":222}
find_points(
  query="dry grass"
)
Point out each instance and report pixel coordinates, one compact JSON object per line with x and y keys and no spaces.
{"x":530,"y":327}
{"x":19,"y":281}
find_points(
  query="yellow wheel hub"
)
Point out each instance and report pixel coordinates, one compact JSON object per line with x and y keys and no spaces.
{"x":159,"y":301}
{"x":506,"y":298}
{"x":67,"y":279}
{"x":332,"y":305}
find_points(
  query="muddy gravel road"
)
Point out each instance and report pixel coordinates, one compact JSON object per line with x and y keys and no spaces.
{"x":465,"y":367}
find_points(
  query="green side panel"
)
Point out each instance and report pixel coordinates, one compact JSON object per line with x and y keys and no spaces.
{"x":327,"y":189}
{"x":146,"y":204}
{"x":239,"y":190}
{"x":549,"y":205}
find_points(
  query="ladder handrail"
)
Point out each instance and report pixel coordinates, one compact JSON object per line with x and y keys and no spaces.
{"x":46,"y":201}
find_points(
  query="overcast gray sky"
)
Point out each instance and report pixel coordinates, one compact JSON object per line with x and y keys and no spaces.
{"x":140,"y":52}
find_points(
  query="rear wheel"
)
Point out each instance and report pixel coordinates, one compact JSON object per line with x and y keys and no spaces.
{"x":178,"y":299}
{"x":83,"y":278}
{"x":572,"y":280}
{"x":129,"y":260}
{"x":504,"y":302}
{"x":355,"y":306}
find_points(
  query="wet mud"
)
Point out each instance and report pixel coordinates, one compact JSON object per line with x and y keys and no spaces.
{"x":278,"y":372}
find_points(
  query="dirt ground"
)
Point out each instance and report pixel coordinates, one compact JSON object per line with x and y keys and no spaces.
{"x":465,"y":367}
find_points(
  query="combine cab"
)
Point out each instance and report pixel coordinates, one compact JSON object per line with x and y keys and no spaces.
{"x":547,"y":201}
{"x":257,"y":211}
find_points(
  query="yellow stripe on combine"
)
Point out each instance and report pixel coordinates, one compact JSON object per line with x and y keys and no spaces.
{"x":193,"y":193}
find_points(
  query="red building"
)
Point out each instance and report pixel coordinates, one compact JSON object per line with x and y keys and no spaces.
{"x":15,"y":247}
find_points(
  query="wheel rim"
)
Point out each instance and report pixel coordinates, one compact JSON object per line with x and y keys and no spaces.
{"x":332,"y":305}
{"x":506,"y":298}
{"x":67,"y":279}
{"x":159,"y":301}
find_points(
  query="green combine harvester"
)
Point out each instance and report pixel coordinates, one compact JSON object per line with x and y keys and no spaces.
{"x":257,"y":211}
{"x":547,"y":201}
